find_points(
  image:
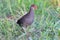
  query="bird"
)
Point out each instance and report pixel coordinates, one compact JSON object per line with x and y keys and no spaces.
{"x":28,"y":18}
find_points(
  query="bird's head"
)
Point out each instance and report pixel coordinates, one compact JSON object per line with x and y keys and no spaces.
{"x":33,"y":6}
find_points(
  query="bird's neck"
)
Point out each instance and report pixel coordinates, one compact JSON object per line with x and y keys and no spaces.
{"x":31,"y":11}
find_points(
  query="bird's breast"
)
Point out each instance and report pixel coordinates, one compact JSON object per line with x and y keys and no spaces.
{"x":29,"y":20}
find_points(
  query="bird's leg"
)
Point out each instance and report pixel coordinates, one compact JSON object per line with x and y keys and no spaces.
{"x":25,"y":29}
{"x":27,"y":33}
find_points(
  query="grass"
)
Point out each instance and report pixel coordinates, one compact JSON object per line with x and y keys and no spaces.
{"x":46,"y":24}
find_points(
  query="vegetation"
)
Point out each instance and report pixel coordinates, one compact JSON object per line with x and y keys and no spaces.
{"x":46,"y":24}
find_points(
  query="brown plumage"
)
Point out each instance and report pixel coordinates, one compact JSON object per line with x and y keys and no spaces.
{"x":28,"y":18}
